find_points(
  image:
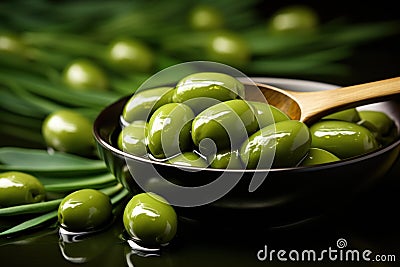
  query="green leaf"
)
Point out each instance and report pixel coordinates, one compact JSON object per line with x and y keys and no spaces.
{"x":40,"y":207}
{"x":38,"y":160}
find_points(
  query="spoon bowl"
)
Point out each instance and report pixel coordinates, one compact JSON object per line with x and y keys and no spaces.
{"x":310,"y":106}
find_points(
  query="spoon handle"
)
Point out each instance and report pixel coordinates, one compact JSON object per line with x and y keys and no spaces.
{"x":317,"y":104}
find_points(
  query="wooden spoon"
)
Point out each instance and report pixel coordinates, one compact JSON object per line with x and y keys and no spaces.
{"x":311,"y":106}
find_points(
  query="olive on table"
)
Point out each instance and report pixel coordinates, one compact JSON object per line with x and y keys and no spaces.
{"x":17,"y":188}
{"x":68,"y":131}
{"x":169,"y":130}
{"x":343,"y":139}
{"x":204,"y":89}
{"x":287,"y":142}
{"x":131,"y":55}
{"x":150,"y":220}
{"x":83,"y":74}
{"x":85,"y":210}
{"x":318,"y":156}
{"x":133,"y":138}
{"x":143,"y":103}
{"x":227,"y":124}
{"x":189,"y":159}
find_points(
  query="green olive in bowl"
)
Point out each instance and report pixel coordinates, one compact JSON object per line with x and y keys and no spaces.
{"x":85,"y":210}
{"x":133,"y":138}
{"x":68,"y":131}
{"x":17,"y":188}
{"x":150,"y":220}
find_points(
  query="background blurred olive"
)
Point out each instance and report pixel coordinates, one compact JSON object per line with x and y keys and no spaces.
{"x":226,"y":124}
{"x":68,"y":131}
{"x":228,"y":48}
{"x":169,"y":130}
{"x":318,"y":156}
{"x":133,"y":138}
{"x":343,"y":139}
{"x":287,"y":142}
{"x":83,"y":74}
{"x":143,"y":103}
{"x":10,"y":43}
{"x":131,"y":55}
{"x":84,"y":210}
{"x":18,"y":188}
{"x":294,"y":18}
{"x":150,"y":220}
{"x":205,"y":17}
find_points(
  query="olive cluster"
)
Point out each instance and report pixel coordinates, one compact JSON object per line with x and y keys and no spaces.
{"x":204,"y":120}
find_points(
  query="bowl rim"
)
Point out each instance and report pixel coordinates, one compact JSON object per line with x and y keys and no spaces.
{"x":264,"y":80}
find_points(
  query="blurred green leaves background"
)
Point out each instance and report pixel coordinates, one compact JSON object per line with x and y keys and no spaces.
{"x":84,"y":55}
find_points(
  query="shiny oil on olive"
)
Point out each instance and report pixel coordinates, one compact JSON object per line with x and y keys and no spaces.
{"x":287,"y":142}
{"x":169,"y":130}
{"x":143,"y":103}
{"x":204,"y":89}
{"x":17,"y":188}
{"x":189,"y":159}
{"x":227,"y":124}
{"x":226,"y":159}
{"x":150,"y":220}
{"x":133,"y":138}
{"x":84,"y":210}
{"x":343,"y":139}
{"x":68,"y":131}
{"x":318,"y":156}
{"x":267,"y":114}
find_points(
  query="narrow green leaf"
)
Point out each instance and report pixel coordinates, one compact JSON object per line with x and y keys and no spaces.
{"x":40,"y":207}
{"x":76,"y":183}
{"x":30,"y":223}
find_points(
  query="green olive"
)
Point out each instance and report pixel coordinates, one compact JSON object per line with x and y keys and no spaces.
{"x":205,"y":17}
{"x":85,"y":210}
{"x":380,"y":124}
{"x":143,"y":103}
{"x":68,"y":131}
{"x":131,"y":55}
{"x":204,"y":89}
{"x":226,"y":159}
{"x":149,"y":219}
{"x":17,"y":188}
{"x":227,"y":124}
{"x":169,"y":130}
{"x":133,"y":138}
{"x":343,"y":139}
{"x":318,"y":156}
{"x":294,"y":18}
{"x":228,"y":48}
{"x":350,"y":115}
{"x":83,"y":74}
{"x":190,"y":159}
{"x":290,"y":141}
{"x":10,"y":43}
{"x":267,"y":114}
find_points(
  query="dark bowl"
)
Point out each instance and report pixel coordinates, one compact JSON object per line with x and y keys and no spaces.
{"x":286,"y":196}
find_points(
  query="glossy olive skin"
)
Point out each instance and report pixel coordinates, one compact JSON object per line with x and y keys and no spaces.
{"x":380,"y":124}
{"x":227,"y":124}
{"x":289,"y":139}
{"x":226,"y":159}
{"x":84,"y":210}
{"x":343,"y":139}
{"x":189,"y":159}
{"x":267,"y":114}
{"x":68,"y":131}
{"x":350,"y":115}
{"x":133,"y":138}
{"x":228,"y":48}
{"x":318,"y":156}
{"x":169,"y":130}
{"x":204,"y":89}
{"x":150,"y":220}
{"x":17,"y":188}
{"x":143,"y":103}
{"x":130,"y":55}
{"x":83,"y":74}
